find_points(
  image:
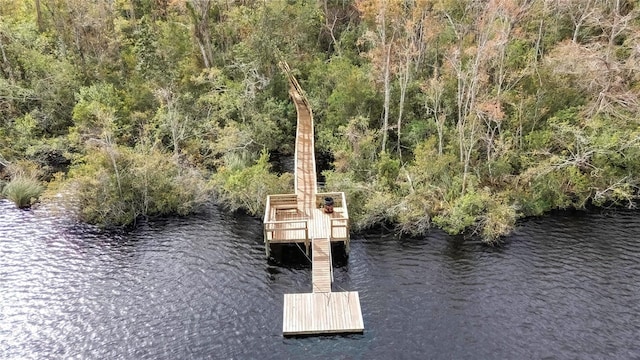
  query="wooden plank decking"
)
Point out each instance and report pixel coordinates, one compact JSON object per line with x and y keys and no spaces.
{"x":322,"y":313}
{"x":305,"y":159}
{"x":299,"y":219}
{"x":321,"y":272}
{"x":289,"y":225}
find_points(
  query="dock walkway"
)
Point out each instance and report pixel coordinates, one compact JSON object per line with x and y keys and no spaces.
{"x":300,"y":218}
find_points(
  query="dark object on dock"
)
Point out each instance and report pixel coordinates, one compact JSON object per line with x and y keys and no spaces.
{"x":328,"y":205}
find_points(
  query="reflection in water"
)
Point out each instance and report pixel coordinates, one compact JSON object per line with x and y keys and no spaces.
{"x":560,"y":287}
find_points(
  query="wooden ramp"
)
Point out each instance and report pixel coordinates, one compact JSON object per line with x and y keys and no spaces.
{"x":298,"y":218}
{"x":322,"y":313}
{"x":321,"y":271}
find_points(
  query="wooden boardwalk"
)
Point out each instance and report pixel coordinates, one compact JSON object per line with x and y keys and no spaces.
{"x":300,"y":218}
{"x":321,"y":270}
{"x":305,"y":159}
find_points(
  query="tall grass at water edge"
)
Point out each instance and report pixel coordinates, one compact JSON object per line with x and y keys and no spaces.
{"x":22,"y":191}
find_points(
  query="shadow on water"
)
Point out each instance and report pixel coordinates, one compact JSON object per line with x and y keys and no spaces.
{"x":457,"y":249}
{"x":294,"y":256}
{"x":339,"y":255}
{"x":326,"y":337}
{"x":289,"y":255}
{"x":282,"y":163}
{"x":324,"y":161}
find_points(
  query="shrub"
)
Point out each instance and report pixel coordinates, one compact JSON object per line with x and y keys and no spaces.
{"x":239,"y":186}
{"x":379,"y":208}
{"x":481,"y":211}
{"x":23,"y":191}
{"x":498,"y":221}
{"x":115,"y":186}
{"x":464,"y":212}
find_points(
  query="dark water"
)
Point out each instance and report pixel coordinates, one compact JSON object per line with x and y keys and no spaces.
{"x":562,"y":287}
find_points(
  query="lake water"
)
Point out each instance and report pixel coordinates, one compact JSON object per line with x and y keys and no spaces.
{"x":564,"y":286}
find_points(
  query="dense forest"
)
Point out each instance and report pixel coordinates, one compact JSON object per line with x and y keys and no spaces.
{"x":465,"y":115}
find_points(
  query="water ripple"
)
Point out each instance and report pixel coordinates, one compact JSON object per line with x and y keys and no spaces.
{"x":563,"y":286}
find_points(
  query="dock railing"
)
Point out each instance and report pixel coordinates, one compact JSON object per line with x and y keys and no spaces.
{"x":280,"y":202}
{"x":283,"y":226}
{"x":341,"y":220}
{"x":293,"y":226}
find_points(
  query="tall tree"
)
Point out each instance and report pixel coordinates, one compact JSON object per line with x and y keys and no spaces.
{"x":480,"y":32}
{"x":200,"y":11}
{"x":39,"y":20}
{"x":378,"y":14}
{"x":414,"y":34}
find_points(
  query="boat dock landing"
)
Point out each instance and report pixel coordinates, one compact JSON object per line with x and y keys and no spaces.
{"x":315,"y":220}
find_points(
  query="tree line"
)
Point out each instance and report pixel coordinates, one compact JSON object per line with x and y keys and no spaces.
{"x":466,"y":115}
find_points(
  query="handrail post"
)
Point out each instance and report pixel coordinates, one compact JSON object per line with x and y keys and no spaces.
{"x":267,"y":209}
{"x":331,"y":261}
{"x":306,"y":237}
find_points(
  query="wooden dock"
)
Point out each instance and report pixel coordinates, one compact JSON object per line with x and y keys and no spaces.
{"x":322,"y":313}
{"x":301,"y":218}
